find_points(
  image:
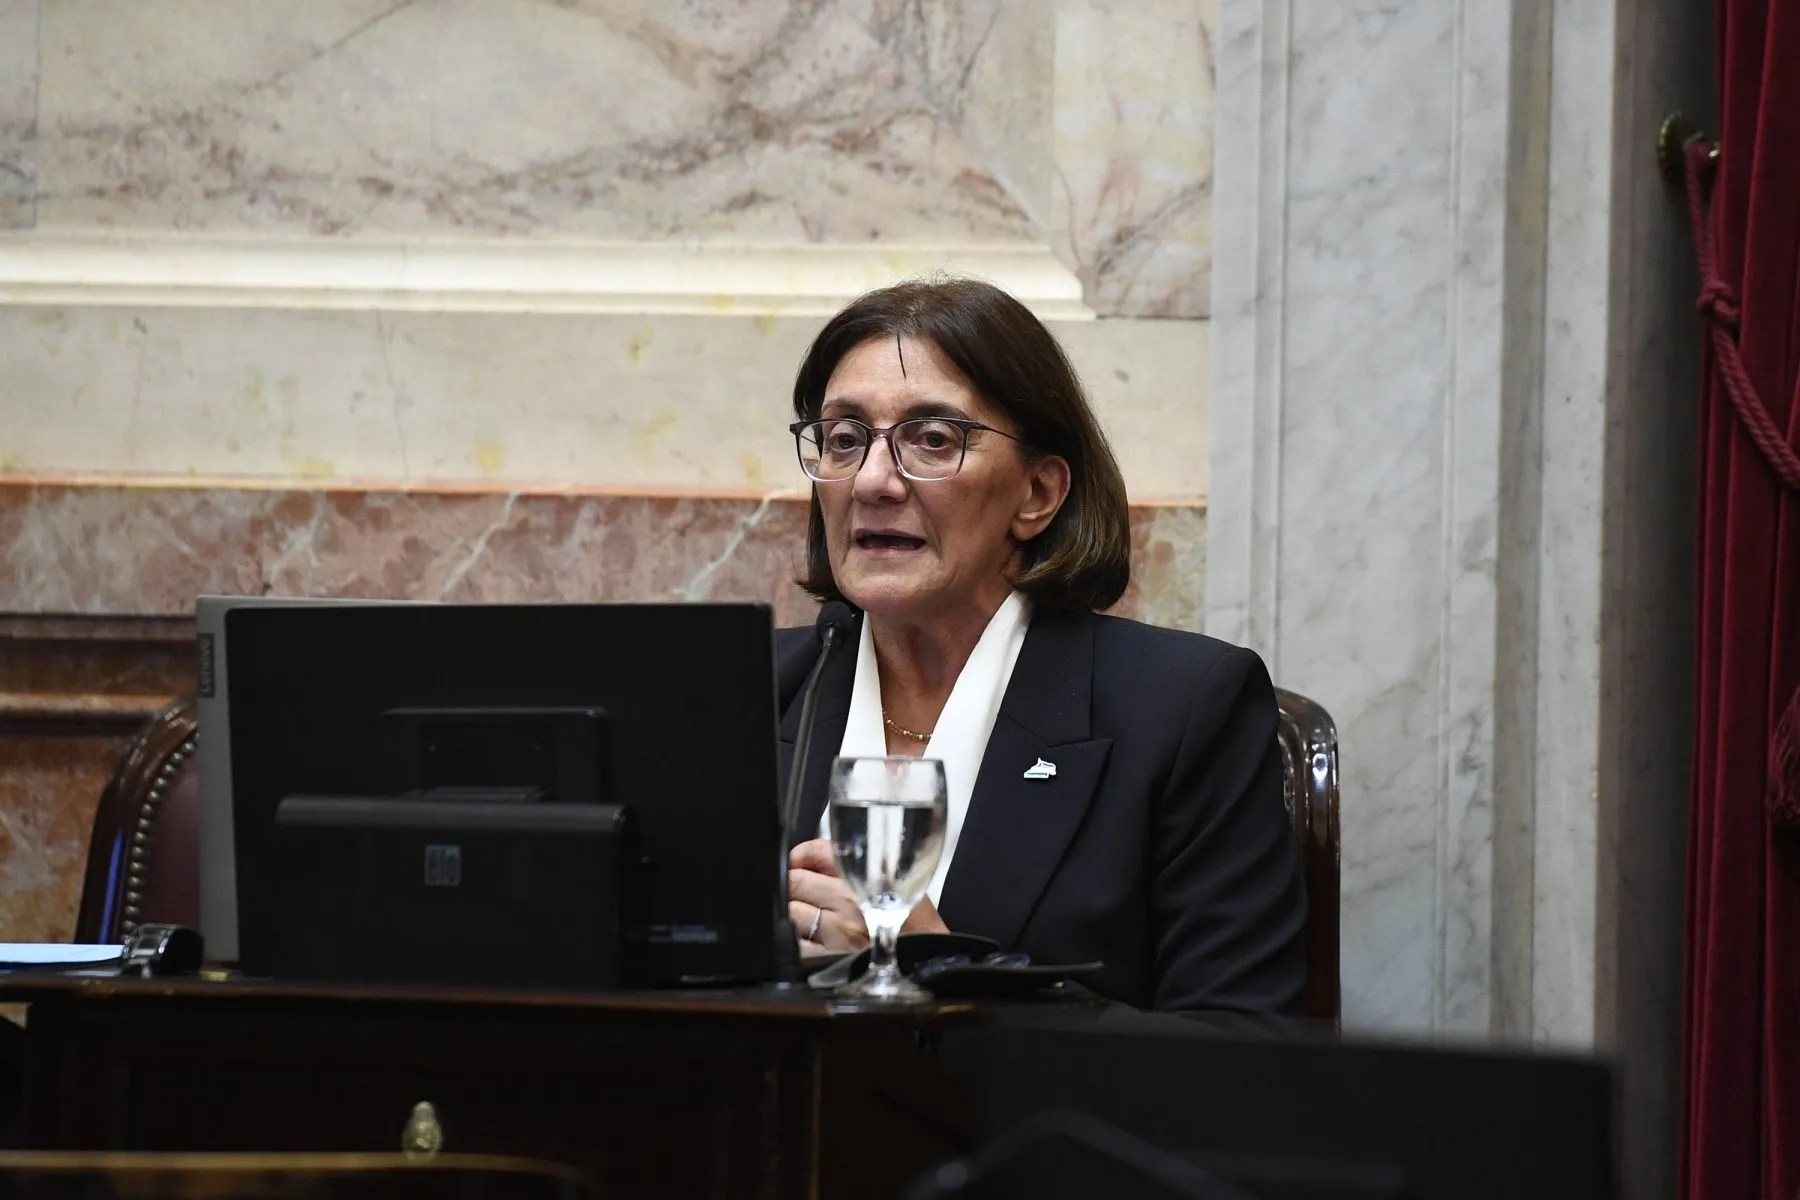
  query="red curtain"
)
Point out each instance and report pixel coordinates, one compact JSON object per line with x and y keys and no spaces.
{"x":1742,"y":1053}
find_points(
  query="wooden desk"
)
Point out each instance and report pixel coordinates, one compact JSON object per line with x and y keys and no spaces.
{"x":688,"y":1094}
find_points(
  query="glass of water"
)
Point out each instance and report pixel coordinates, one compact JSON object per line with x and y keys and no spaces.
{"x":887,"y":831}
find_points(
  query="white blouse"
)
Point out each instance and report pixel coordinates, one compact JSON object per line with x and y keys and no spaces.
{"x":961,"y":737}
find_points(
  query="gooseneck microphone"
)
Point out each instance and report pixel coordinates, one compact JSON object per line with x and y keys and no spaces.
{"x":836,"y":622}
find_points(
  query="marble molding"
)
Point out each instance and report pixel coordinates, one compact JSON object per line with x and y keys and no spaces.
{"x":94,"y":548}
{"x":100,"y":268}
{"x":1081,"y":125}
{"x":1492,"y":369}
{"x":509,"y":399}
{"x":1569,"y":502}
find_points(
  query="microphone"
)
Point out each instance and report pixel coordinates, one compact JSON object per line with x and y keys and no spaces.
{"x":836,"y":622}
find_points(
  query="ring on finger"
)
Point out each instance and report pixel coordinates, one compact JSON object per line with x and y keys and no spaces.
{"x":813,"y":933}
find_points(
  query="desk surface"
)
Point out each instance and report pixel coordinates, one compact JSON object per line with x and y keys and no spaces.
{"x":798,"y":1005}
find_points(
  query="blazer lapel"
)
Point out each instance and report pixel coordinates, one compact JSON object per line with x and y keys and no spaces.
{"x":829,"y":719}
{"x":1018,"y":828}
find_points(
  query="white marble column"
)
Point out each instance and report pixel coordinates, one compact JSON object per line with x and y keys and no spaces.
{"x":1362,"y":226}
{"x":1455,"y":366}
{"x":1444,"y":272}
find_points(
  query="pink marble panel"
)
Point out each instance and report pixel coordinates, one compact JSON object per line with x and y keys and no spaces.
{"x":68,"y":547}
{"x":134,"y":549}
{"x":50,"y":787}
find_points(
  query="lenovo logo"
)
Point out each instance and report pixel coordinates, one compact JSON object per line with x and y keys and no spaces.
{"x":208,"y":683}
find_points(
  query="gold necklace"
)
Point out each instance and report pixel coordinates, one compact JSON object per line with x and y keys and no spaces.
{"x":902,"y":730}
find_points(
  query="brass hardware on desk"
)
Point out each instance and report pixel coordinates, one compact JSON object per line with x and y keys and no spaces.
{"x":1672,"y":138}
{"x":423,"y":1137}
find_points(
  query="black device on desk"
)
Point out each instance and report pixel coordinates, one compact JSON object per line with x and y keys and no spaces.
{"x":549,"y":795}
{"x":1141,"y":1105}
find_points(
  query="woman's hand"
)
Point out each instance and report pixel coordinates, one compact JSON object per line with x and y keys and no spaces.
{"x":815,"y":891}
{"x":820,"y":904}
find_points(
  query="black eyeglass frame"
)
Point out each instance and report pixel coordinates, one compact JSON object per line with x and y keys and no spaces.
{"x":887,"y":435}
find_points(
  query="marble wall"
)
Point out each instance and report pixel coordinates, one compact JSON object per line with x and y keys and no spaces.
{"x":1453,"y":492}
{"x":18,"y":113}
{"x":502,"y":299}
{"x":1083,"y":124}
{"x":1354,"y":486}
{"x":767,"y":121}
{"x":470,"y":180}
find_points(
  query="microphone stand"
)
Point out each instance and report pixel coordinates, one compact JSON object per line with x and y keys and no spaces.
{"x":787,"y":938}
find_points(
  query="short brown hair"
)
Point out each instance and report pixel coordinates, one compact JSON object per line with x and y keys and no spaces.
{"x":1082,"y":559}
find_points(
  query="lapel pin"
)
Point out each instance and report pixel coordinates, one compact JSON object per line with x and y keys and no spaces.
{"x":1040,"y":770}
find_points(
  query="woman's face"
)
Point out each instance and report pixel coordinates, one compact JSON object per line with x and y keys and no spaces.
{"x":913,"y":549}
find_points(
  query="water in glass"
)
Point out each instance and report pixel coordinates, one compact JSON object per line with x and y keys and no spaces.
{"x":887,"y":851}
{"x":887,"y":833}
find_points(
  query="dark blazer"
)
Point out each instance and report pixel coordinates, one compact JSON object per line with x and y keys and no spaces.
{"x":1161,"y":847}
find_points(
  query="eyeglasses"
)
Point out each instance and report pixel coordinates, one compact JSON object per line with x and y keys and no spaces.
{"x":924,"y":448}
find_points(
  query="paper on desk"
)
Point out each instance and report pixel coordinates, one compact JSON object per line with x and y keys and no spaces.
{"x":49,"y":954}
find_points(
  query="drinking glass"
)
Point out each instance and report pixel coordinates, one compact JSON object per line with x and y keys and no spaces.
{"x":887,"y":831}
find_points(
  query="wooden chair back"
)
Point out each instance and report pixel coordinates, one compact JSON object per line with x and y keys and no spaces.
{"x":143,"y":861}
{"x":1309,"y":759}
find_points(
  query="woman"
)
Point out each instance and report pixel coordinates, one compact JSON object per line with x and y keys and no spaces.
{"x":1114,"y":788}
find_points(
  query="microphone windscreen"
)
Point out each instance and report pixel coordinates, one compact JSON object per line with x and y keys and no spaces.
{"x":835,"y":614}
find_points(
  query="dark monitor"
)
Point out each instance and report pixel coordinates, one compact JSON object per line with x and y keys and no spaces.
{"x":437,"y":782}
{"x":1156,"y":1105}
